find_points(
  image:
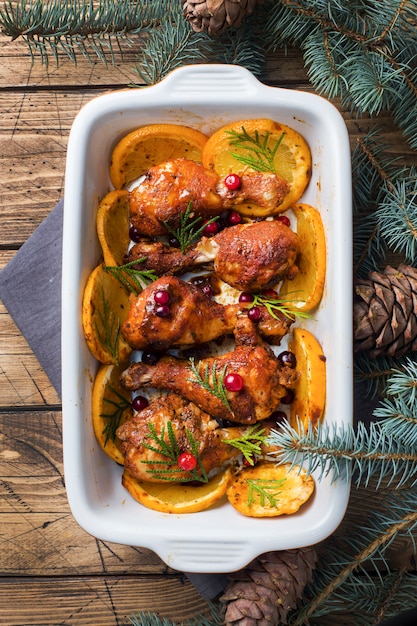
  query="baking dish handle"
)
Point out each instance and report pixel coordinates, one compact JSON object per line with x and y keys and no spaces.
{"x":211,"y":80}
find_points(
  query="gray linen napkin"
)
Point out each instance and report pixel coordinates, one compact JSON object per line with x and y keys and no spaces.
{"x":35,"y":271}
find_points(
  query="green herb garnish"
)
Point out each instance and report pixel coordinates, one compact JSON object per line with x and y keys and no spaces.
{"x":280,"y":305}
{"x":249,"y":443}
{"x":115,"y":415}
{"x":110,"y":328}
{"x":171,"y":450}
{"x":188,"y":232}
{"x":212,"y":382}
{"x":265,"y":490}
{"x":131,"y":277}
{"x":259,"y":155}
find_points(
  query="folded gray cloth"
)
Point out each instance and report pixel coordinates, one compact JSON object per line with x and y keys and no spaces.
{"x":30,"y":287}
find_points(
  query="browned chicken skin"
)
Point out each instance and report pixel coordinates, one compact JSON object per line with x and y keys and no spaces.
{"x":265,"y":380}
{"x":186,"y":419}
{"x":249,"y":257}
{"x":194,"y":318}
{"x":166,"y":192}
{"x":254,"y":257}
{"x":267,"y":190}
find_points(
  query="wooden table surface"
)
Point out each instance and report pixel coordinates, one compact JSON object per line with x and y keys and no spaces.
{"x":52,"y":572}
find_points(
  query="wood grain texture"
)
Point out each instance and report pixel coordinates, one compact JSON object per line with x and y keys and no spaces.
{"x":51,"y":571}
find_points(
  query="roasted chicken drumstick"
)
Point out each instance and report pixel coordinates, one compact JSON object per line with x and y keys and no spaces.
{"x":265,"y":380}
{"x":189,"y":425}
{"x":249,"y":257}
{"x":189,"y":318}
{"x":167,"y":191}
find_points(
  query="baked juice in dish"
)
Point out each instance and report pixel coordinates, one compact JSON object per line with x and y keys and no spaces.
{"x":202,"y":245}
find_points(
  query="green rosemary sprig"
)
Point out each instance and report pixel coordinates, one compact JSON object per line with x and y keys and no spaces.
{"x":188,"y":232}
{"x":130,"y":277}
{"x":171,"y":450}
{"x":266,"y":490}
{"x":115,"y":415}
{"x":259,"y":155}
{"x":109,"y":332}
{"x":213,"y":383}
{"x":281,"y":305}
{"x":249,"y":443}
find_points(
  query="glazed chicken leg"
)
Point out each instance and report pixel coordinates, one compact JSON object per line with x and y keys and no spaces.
{"x":189,"y":425}
{"x":191,"y":318}
{"x":265,"y":380}
{"x":249,"y":257}
{"x":167,"y":191}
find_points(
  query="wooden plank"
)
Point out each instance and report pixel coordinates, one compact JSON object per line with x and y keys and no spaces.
{"x":22,"y":380}
{"x":39,"y":536}
{"x":105,"y":601}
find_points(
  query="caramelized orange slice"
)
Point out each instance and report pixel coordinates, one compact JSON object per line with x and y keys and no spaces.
{"x":150,"y":145}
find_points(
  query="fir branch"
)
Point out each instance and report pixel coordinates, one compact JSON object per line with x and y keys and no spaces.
{"x":276,"y":305}
{"x":79,"y":28}
{"x":375,"y":373}
{"x":116,"y":408}
{"x":265,"y":490}
{"x":397,"y":216}
{"x":250,"y":443}
{"x":345,"y":559}
{"x":109,"y":333}
{"x":171,"y":450}
{"x":188,"y":230}
{"x":133,"y":279}
{"x":148,"y":618}
{"x":345,"y":453}
{"x":403,"y":382}
{"x":259,"y":155}
{"x":213,"y":381}
{"x":182,"y":46}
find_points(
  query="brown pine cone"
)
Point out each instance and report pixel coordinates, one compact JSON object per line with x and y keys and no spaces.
{"x":385,"y":312}
{"x":214,"y":16}
{"x":263,"y":593}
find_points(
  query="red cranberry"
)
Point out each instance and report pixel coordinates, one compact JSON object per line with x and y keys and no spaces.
{"x":162,"y":310}
{"x":289,"y":397}
{"x":278,"y":417}
{"x":211,"y":229}
{"x":284,"y":219}
{"x":233,"y":382}
{"x":287,"y":358}
{"x":207,"y":290}
{"x":173,"y":241}
{"x":254,"y":314}
{"x":246,"y":297}
{"x":187,"y":461}
{"x":249,"y":462}
{"x":270,"y":293}
{"x":161,"y":297}
{"x":150,"y":358}
{"x":134,"y":234}
{"x":232,"y":182}
{"x":234,"y":218}
{"x":139,"y":403}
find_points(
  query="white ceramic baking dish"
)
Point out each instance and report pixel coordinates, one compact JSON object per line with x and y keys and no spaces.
{"x":204,"y":97}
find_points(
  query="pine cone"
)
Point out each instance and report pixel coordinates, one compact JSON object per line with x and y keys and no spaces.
{"x":214,"y":16}
{"x":385,"y":312}
{"x":265,"y":591}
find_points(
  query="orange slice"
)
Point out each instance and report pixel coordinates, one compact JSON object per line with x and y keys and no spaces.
{"x":305,"y":291}
{"x":111,"y":407}
{"x":150,"y":145}
{"x":170,"y":497}
{"x":104,"y":308}
{"x":292,"y":160}
{"x":310,"y":390}
{"x":269,"y":490}
{"x":113,"y":226}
